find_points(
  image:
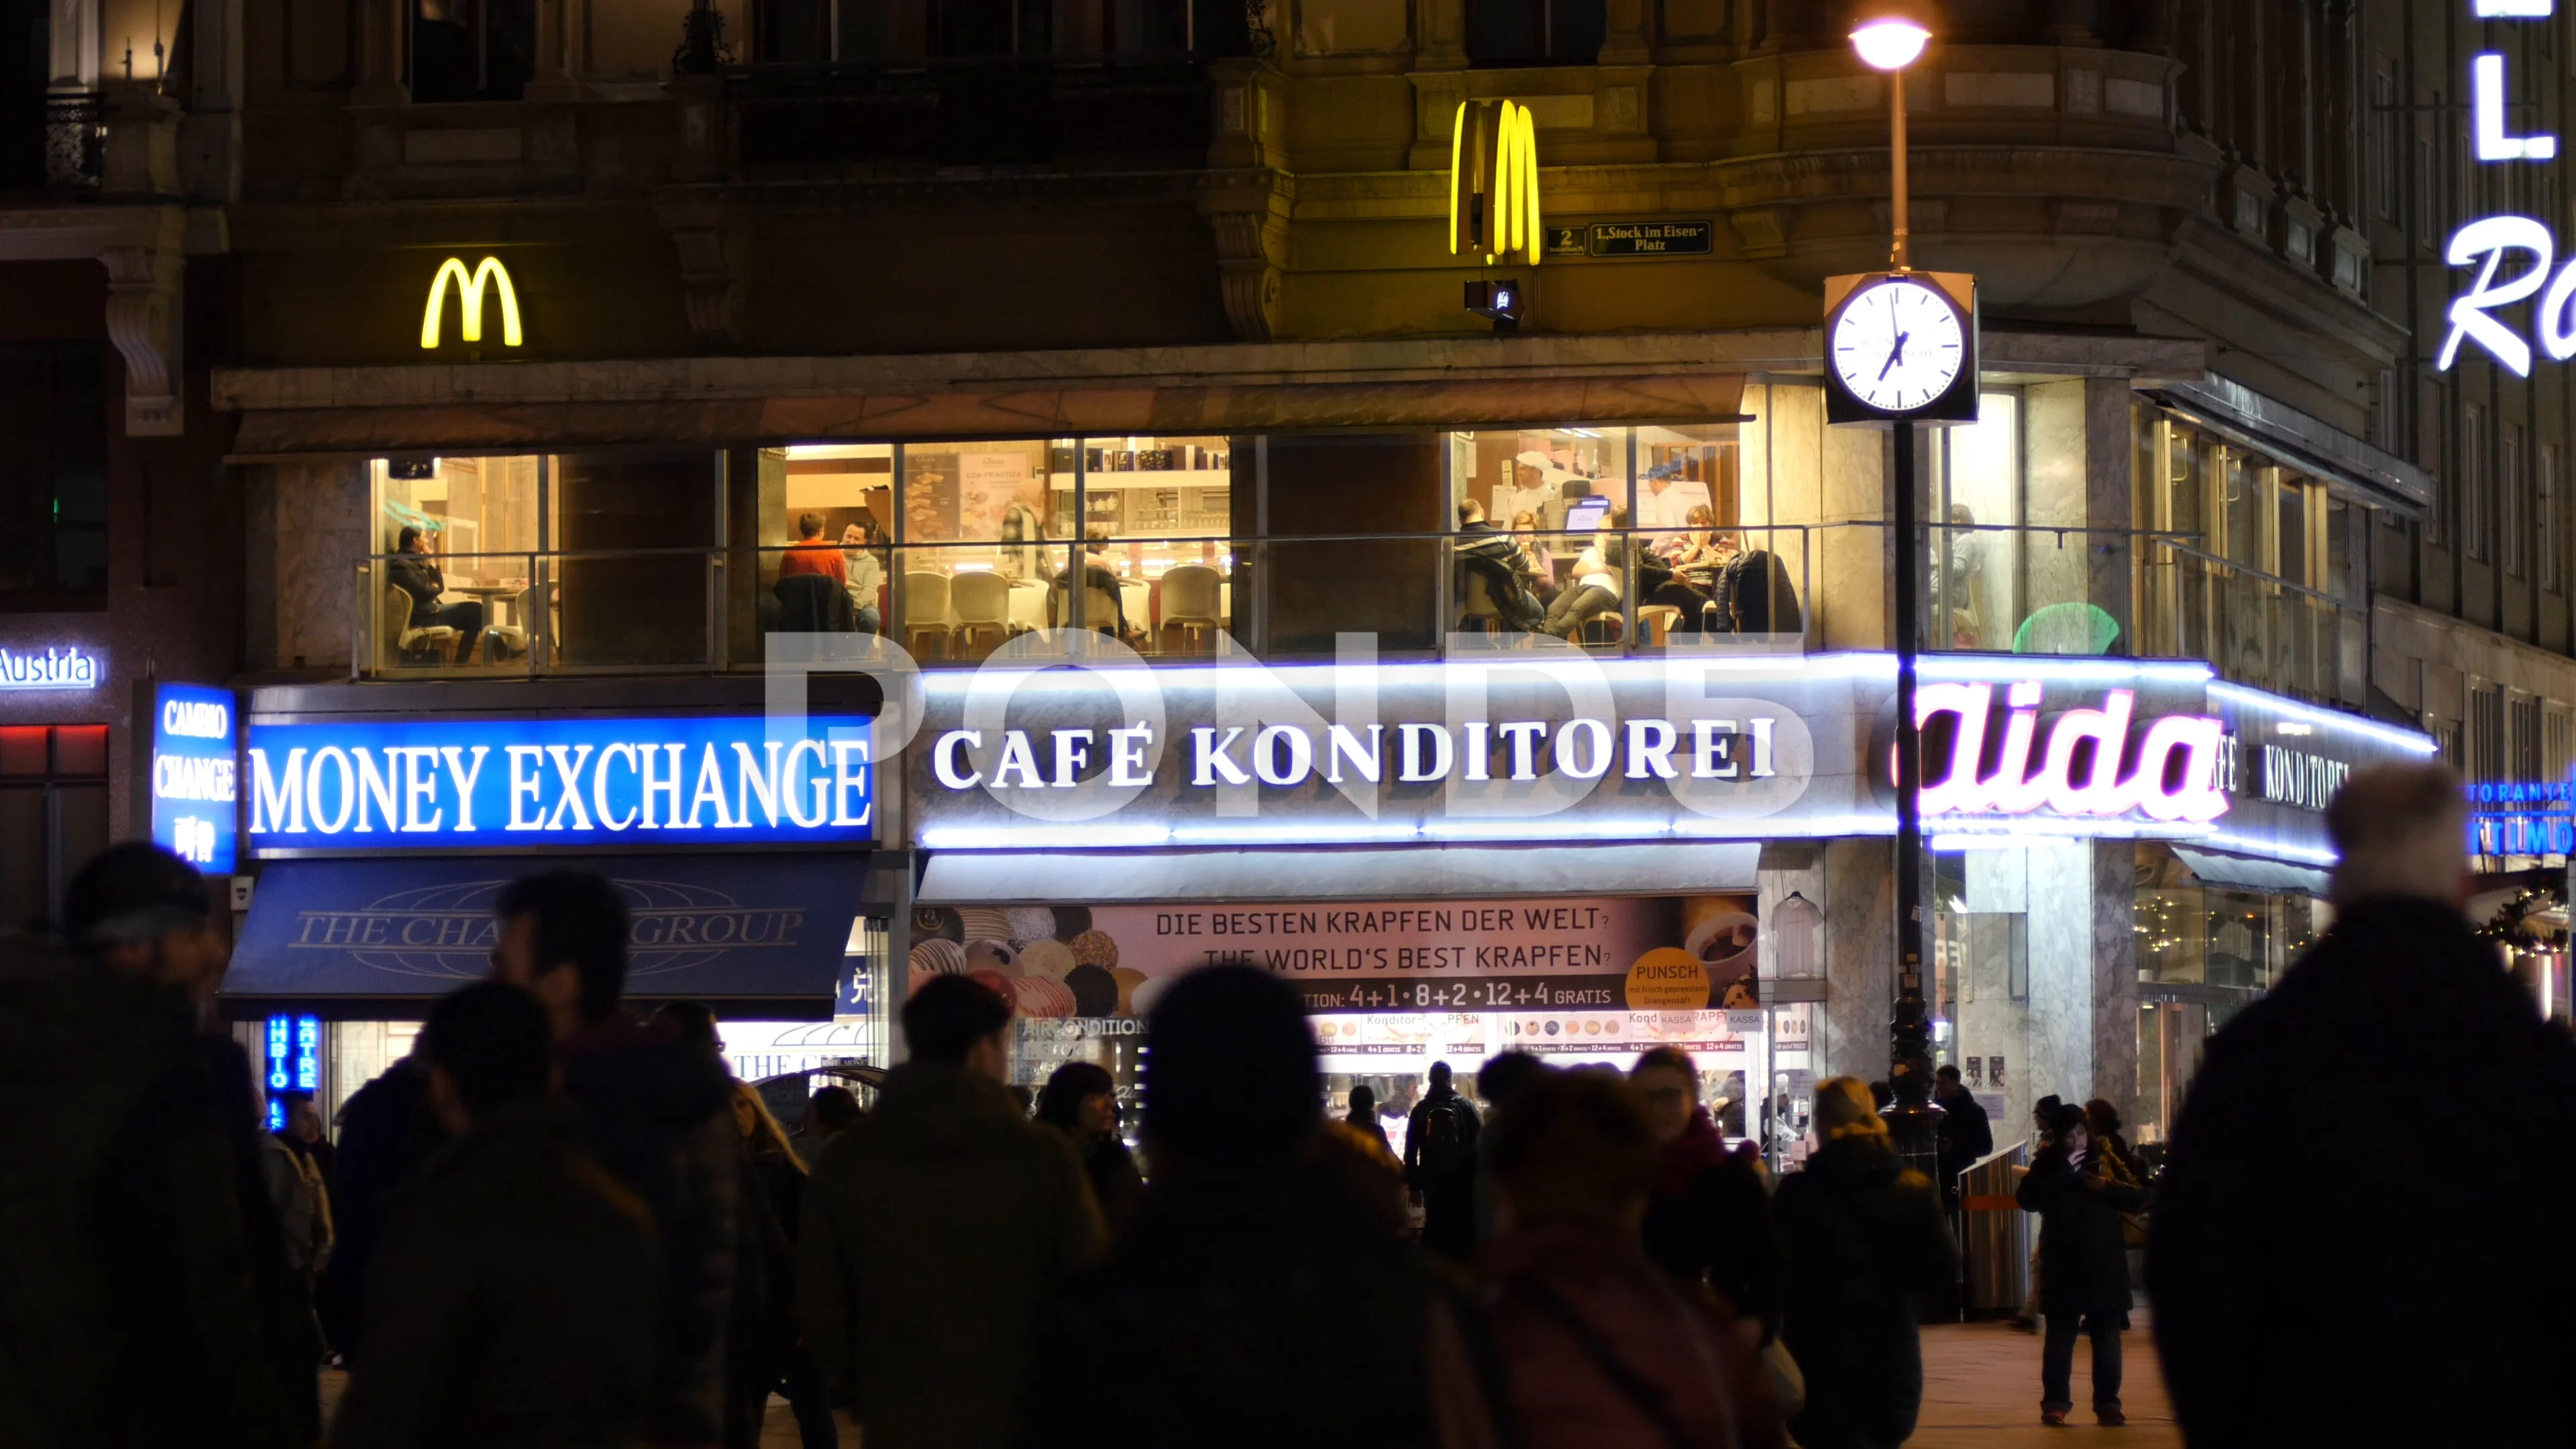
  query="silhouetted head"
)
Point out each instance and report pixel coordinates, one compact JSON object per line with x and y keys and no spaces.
{"x":1230,"y":1075}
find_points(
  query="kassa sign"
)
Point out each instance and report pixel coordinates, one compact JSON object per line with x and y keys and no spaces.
{"x":195,"y":778}
{"x":379,"y":786}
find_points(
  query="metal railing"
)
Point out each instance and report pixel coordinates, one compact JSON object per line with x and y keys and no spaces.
{"x":2257,"y":629}
{"x":619,"y":611}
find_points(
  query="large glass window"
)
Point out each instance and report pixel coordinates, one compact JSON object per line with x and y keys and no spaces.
{"x":1977,"y":577}
{"x":53,"y":815}
{"x":565,"y":561}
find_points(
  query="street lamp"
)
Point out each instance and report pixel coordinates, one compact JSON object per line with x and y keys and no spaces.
{"x":1889,"y":37}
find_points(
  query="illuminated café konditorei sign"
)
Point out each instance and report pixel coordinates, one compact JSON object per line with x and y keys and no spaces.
{"x":382,"y":786}
{"x":2488,"y":243}
{"x":1568,"y":750}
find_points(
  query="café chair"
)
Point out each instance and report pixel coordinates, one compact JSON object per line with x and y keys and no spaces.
{"x":981,"y":603}
{"x":1192,"y":602}
{"x":927,"y":614}
{"x":403,"y":644}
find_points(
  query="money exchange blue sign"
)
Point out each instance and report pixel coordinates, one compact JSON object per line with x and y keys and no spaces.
{"x":385,"y":786}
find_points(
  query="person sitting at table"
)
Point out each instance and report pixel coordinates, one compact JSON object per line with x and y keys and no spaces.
{"x":1486,"y":552}
{"x":1542,"y":569}
{"x":1594,"y":592}
{"x":865,"y":570}
{"x":809,"y":554}
{"x":1096,"y":578}
{"x":412,"y":572}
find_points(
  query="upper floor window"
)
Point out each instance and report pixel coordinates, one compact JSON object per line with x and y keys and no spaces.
{"x":1536,"y":32}
{"x":909,"y":30}
{"x":53,"y":475}
{"x":2384,"y":133}
{"x":472,"y":50}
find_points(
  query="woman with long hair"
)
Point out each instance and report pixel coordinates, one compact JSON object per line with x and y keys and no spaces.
{"x":764,"y":1352}
{"x":1081,"y":1101}
{"x":1866,"y":1242}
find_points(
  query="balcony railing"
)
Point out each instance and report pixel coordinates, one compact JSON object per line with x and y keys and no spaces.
{"x":1993,"y":589}
{"x":1179,"y":597}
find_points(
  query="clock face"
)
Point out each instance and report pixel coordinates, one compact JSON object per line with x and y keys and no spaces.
{"x":1897,"y":344}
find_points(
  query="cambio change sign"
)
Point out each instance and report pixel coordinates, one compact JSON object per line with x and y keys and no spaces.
{"x":2522,"y":246}
{"x":383,"y":786}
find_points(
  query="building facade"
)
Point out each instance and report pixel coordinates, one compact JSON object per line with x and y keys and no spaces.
{"x":1146,"y":319}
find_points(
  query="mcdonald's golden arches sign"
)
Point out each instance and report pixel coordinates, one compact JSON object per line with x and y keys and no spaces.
{"x":469,"y":301}
{"x":1493,"y":182}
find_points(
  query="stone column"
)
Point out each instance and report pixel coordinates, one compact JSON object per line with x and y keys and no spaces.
{"x":380,"y":52}
{"x":552,"y":77}
{"x":1850,"y":1029}
{"x":1624,"y":40}
{"x":1440,"y":32}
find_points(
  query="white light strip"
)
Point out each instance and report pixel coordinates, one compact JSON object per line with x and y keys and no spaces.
{"x":2273,"y":850}
{"x":1974,"y":667}
{"x":1050,"y":674}
{"x":2220,"y":691}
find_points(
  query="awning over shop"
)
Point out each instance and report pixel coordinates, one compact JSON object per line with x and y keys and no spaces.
{"x":334,"y":936}
{"x":1458,"y":872}
{"x":2244,"y":873}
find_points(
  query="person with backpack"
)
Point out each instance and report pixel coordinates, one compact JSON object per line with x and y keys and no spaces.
{"x":1440,"y":1166}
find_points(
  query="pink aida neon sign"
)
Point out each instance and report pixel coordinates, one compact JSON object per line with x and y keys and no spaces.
{"x":2173,"y":775}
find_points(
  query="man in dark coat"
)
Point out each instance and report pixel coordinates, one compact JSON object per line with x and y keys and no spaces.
{"x":656,"y":1111}
{"x":1496,"y":557}
{"x":1440,"y":1166}
{"x":2289,"y":1314}
{"x":931,"y":1232}
{"x":387,"y":1130}
{"x":144,"y":1292}
{"x":1966,"y":1136}
{"x":513,"y":1300}
{"x":2080,"y":1192}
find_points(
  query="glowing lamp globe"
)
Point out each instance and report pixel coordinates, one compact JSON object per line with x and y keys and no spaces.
{"x":1890,"y":44}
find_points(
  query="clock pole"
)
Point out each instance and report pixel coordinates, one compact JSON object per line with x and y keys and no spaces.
{"x":1888,"y":38}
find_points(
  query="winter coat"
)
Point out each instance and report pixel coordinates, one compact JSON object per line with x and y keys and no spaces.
{"x":511,"y":1300}
{"x":1599,"y":1349}
{"x":1710,"y":1220}
{"x":2292,"y":1286}
{"x":2083,"y":1257}
{"x":1496,"y":557}
{"x":1116,"y":1185}
{"x":1256,"y":1308}
{"x":144,"y":1292}
{"x":763,"y":1330}
{"x":1866,"y":1242}
{"x":931,"y":1232}
{"x":387,"y":1131}
{"x":294,"y":1187}
{"x":1966,"y":1138}
{"x":657,"y":1112}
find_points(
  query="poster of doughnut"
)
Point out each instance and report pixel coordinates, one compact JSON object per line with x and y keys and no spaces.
{"x":1406,"y":958}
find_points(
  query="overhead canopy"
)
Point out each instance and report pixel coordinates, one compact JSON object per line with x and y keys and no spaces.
{"x":1456,"y":872}
{"x":344,"y":937}
{"x":2243,"y":873}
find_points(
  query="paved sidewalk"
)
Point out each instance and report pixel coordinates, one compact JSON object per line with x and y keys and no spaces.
{"x":1981,"y":1391}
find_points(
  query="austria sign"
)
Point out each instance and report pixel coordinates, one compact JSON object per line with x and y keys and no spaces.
{"x":384,"y":786}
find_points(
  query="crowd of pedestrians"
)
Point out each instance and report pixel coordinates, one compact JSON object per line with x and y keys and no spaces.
{"x":556,"y":1224}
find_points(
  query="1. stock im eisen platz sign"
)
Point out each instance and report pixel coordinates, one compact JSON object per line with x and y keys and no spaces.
{"x":2490,"y":243}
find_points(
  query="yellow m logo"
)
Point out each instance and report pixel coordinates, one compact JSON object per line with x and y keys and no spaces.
{"x":1493,"y":182}
{"x":469,"y":300}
